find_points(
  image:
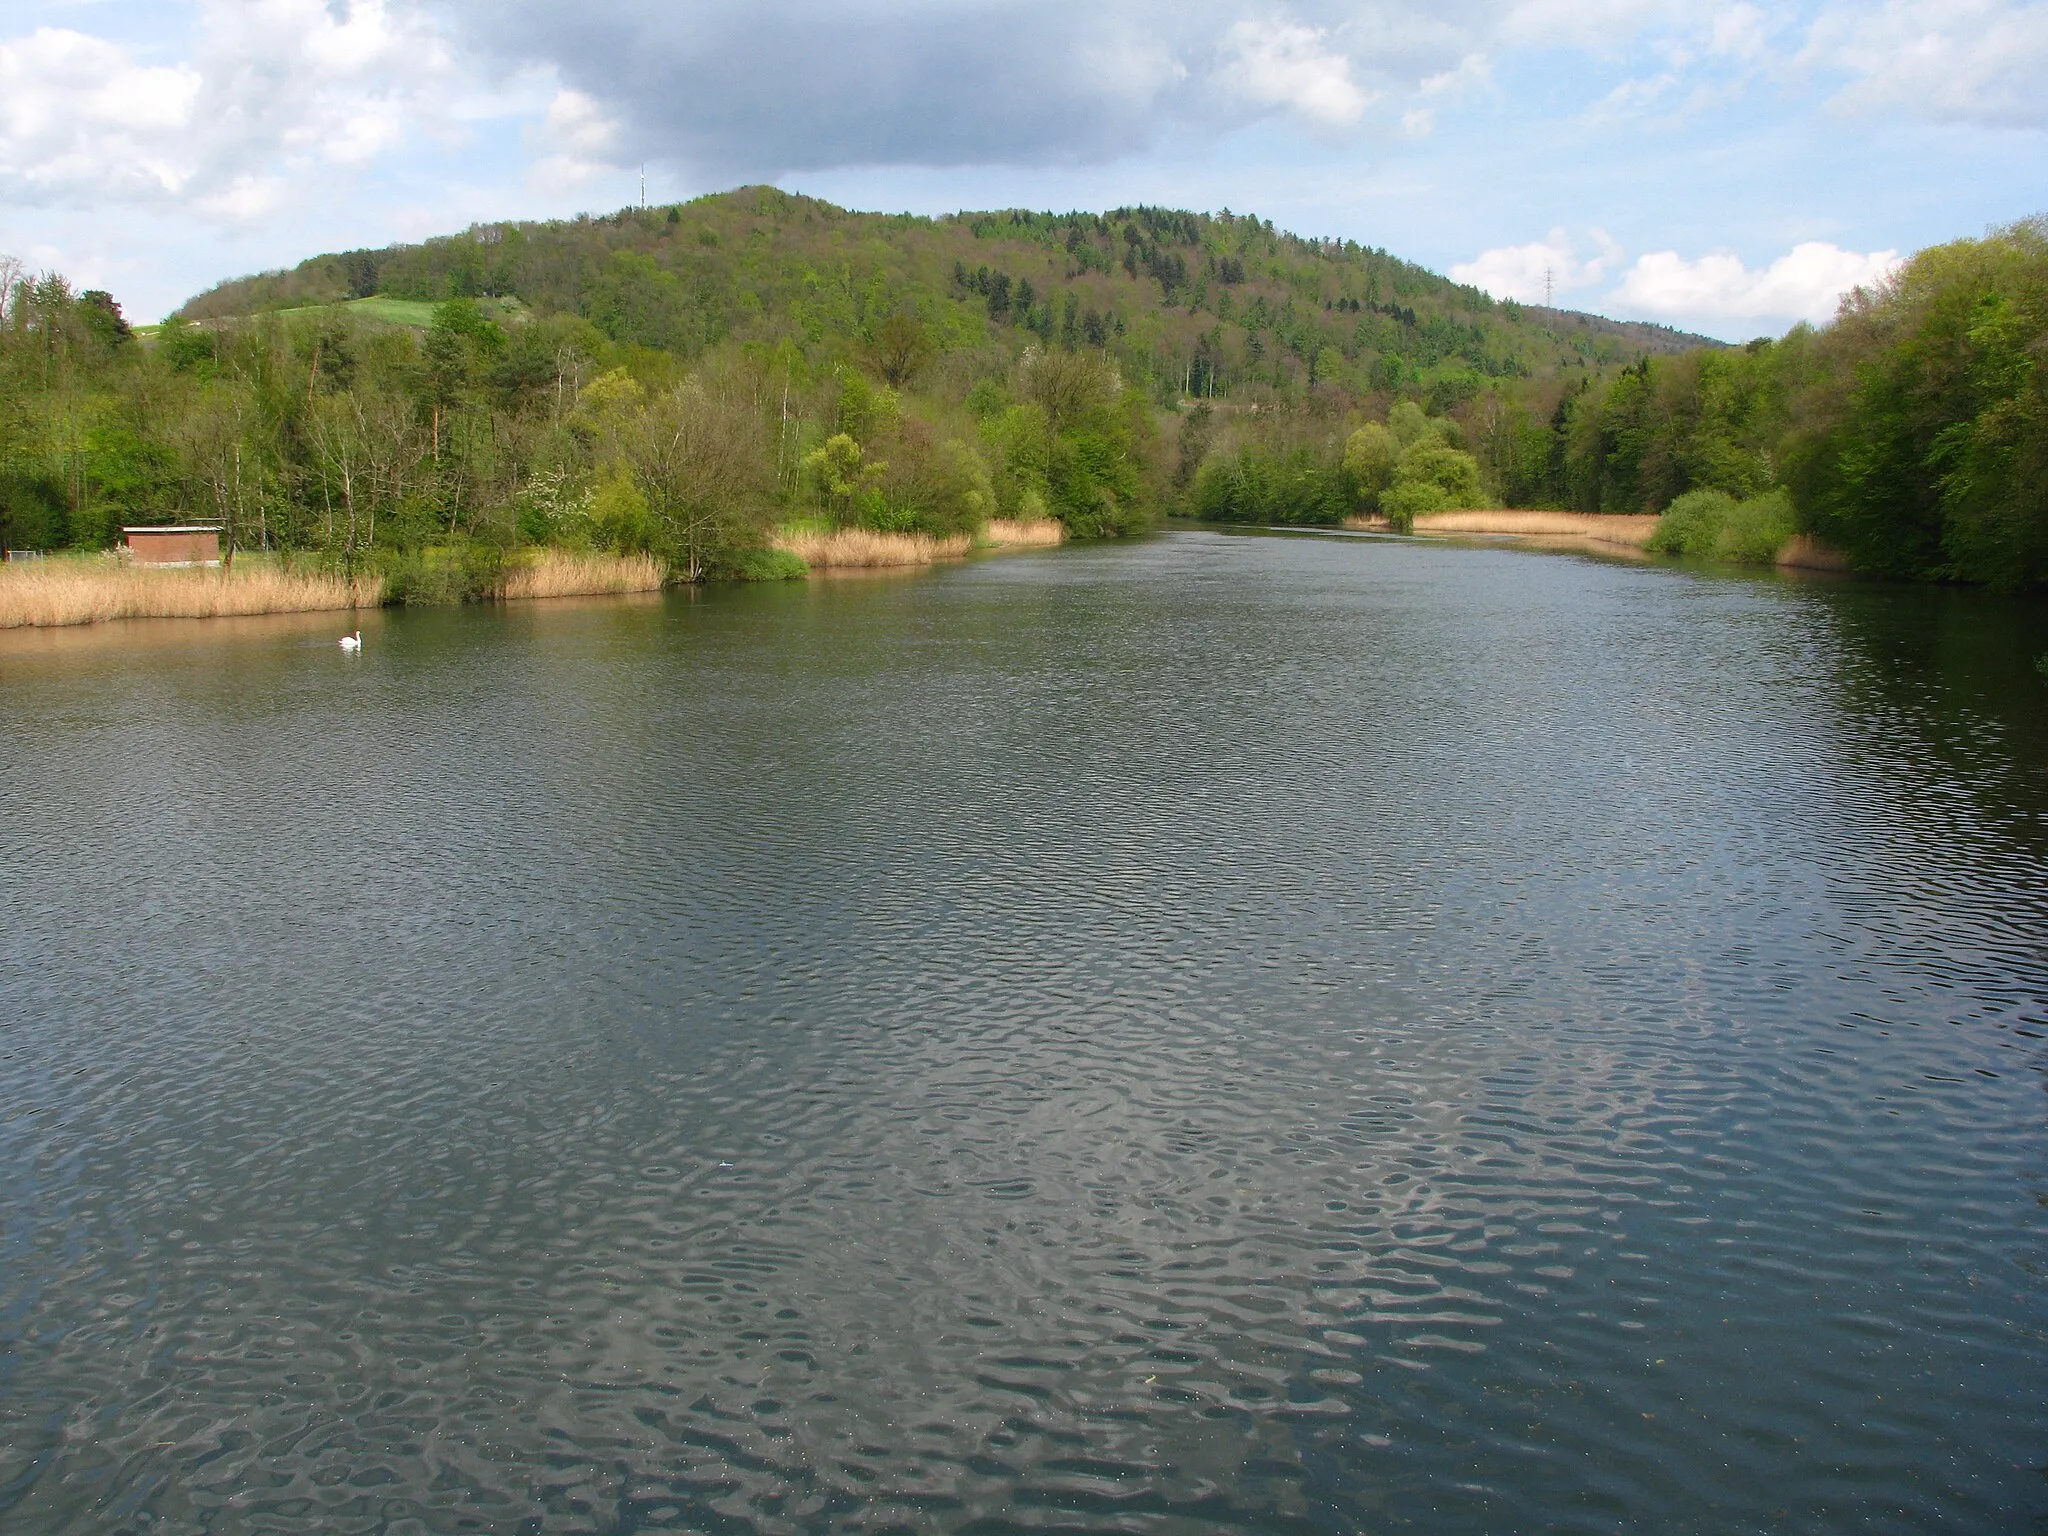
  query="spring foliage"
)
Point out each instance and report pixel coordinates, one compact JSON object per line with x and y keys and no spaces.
{"x":679,"y":383}
{"x":1912,"y":433}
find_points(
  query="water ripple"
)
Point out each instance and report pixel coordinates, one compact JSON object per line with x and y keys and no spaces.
{"x":1224,"y":1034}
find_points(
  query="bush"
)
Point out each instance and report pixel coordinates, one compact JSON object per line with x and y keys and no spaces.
{"x":32,"y":512}
{"x":1712,"y":525}
{"x":1411,"y":499}
{"x":1692,"y":524}
{"x":462,"y":573}
{"x":1434,"y":462}
{"x":876,"y":511}
{"x":619,"y":517}
{"x":1759,"y":528}
{"x":768,"y":565}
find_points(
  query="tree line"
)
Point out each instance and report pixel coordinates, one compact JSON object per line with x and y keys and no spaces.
{"x":855,"y":369}
{"x":1911,"y":433}
{"x":426,"y":451}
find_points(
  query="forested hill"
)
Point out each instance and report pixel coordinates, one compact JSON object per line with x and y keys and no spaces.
{"x":1210,"y":305}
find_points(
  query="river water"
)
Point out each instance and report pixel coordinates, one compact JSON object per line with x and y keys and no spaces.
{"x":1221,"y":1034}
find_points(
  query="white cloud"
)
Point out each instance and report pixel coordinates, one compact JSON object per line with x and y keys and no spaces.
{"x":1284,"y":64}
{"x":1739,"y":31}
{"x":1473,"y":72}
{"x":79,"y":111}
{"x":1804,"y":284}
{"x":1542,"y":270}
{"x":577,"y":136}
{"x":1592,"y":25}
{"x":1971,"y":61}
{"x":275,"y":90}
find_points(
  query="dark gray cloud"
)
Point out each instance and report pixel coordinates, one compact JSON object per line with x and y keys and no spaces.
{"x":746,"y":90}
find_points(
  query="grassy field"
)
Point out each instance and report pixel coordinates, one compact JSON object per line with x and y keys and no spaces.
{"x":418,"y":313}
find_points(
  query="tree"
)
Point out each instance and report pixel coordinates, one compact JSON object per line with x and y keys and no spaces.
{"x":1197,"y":430}
{"x":698,"y":455}
{"x":902,"y":346}
{"x":842,"y":473}
{"x":1370,"y":454}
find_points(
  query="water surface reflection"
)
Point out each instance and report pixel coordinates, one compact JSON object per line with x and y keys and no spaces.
{"x":1222,"y":1034}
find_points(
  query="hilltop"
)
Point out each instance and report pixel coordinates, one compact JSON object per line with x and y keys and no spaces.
{"x":1190,"y":304}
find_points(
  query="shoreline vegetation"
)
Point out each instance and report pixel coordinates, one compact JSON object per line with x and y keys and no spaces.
{"x":89,"y":589}
{"x":867,"y":548}
{"x":1627,"y":530}
{"x":93,"y":589}
{"x":753,"y":385}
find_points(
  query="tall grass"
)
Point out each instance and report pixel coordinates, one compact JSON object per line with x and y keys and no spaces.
{"x":562,"y":573}
{"x":854,"y":547}
{"x":1632,"y":529}
{"x":1016,"y":533}
{"x":89,"y":590}
{"x":1803,"y":552}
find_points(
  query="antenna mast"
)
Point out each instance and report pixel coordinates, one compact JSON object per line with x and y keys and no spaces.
{"x":1548,"y":274}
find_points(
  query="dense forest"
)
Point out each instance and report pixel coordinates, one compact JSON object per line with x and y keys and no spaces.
{"x":682,"y":380}
{"x":1911,"y":433}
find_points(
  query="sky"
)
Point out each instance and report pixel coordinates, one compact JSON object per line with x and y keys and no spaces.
{"x":1721,"y":166}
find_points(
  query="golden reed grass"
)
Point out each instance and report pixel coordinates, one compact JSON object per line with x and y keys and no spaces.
{"x":1632,"y":529}
{"x":561,"y":573}
{"x":60,"y":591}
{"x":857,"y":547}
{"x":1013,"y":533}
{"x":1628,"y":528}
{"x":1803,"y":552}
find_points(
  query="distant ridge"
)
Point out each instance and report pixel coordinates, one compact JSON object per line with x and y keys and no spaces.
{"x":1206,"y":304}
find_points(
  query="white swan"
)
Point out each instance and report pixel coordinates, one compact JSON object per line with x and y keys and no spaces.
{"x":352,"y":642}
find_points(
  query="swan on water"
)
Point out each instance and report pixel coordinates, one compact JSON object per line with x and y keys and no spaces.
{"x":352,"y":642}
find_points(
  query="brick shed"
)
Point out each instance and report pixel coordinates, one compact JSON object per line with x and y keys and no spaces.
{"x":174,"y":544}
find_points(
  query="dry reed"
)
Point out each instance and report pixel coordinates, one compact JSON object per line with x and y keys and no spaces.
{"x":1014,"y":533}
{"x":1630,"y":529}
{"x":857,"y":547}
{"x":1803,"y":552}
{"x":561,"y":573}
{"x":87,"y":591}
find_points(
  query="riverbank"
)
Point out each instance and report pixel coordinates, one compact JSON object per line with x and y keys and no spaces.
{"x":93,"y":589}
{"x":1609,"y":532}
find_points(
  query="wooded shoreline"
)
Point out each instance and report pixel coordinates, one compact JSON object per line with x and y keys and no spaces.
{"x":713,"y":384}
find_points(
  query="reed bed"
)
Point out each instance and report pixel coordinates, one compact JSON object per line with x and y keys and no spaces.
{"x":88,"y":591}
{"x":1803,"y":552}
{"x":563,"y":573}
{"x":1016,"y":533}
{"x":1630,"y":529}
{"x":863,"y":547}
